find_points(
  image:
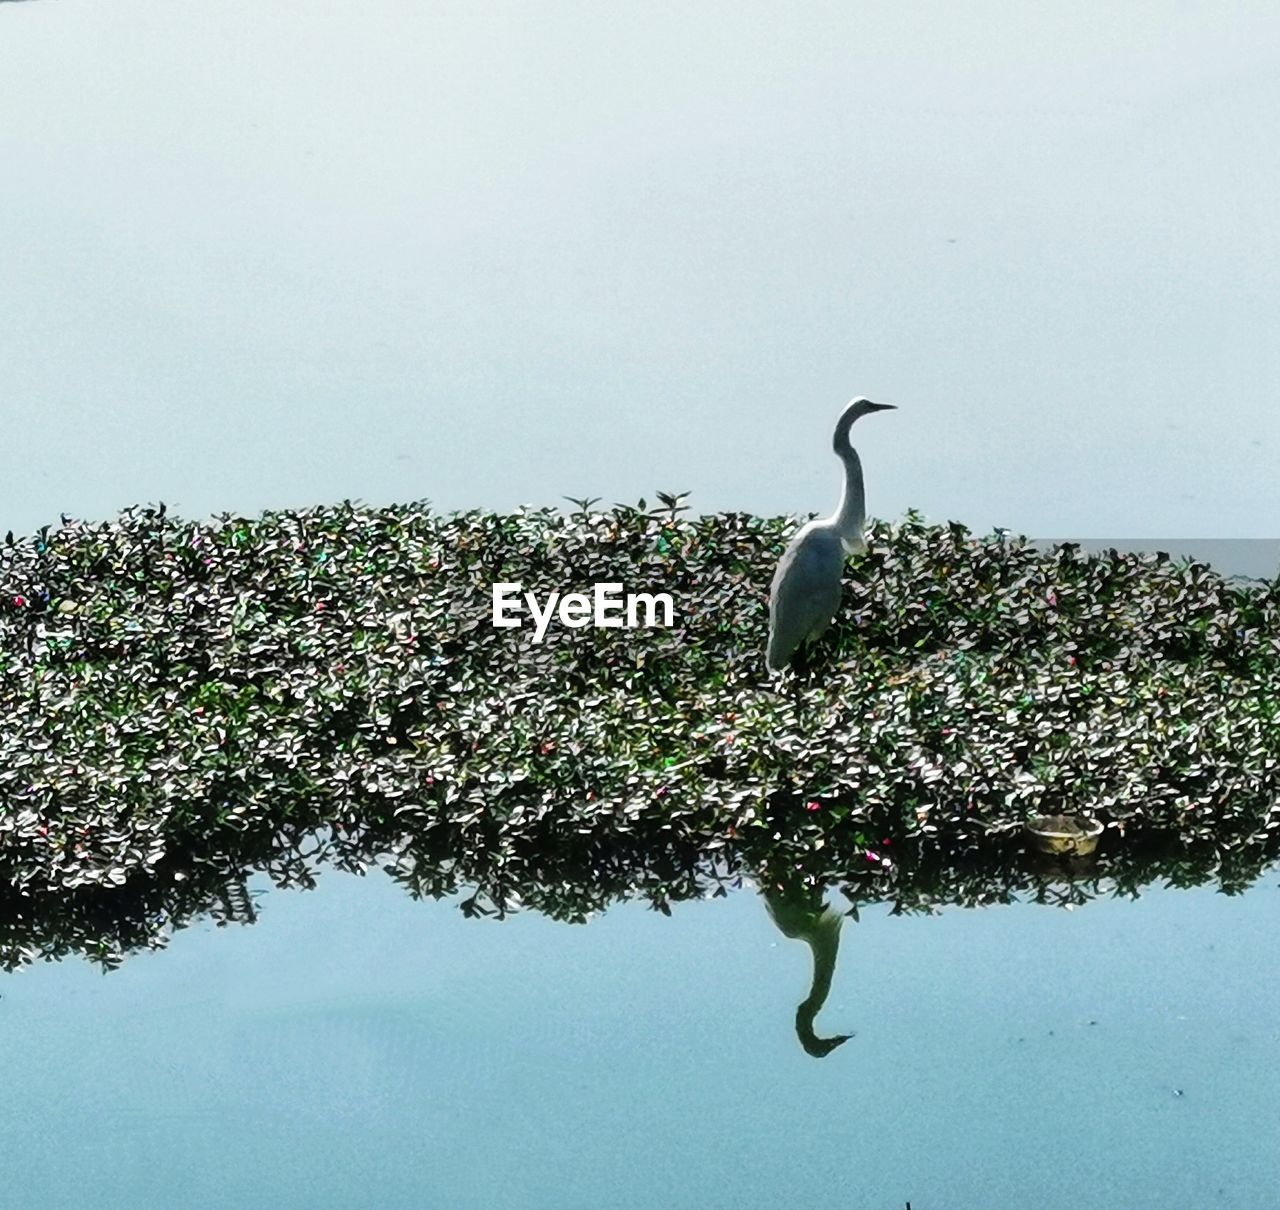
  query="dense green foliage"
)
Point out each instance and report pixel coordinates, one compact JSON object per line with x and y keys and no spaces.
{"x":186,"y":702}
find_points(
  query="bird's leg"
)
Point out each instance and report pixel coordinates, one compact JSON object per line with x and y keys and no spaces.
{"x":801,"y":664}
{"x":808,"y":660}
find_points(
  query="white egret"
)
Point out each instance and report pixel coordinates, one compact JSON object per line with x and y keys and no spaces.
{"x":805,"y":593}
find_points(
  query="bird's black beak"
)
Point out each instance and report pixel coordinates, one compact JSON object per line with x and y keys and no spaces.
{"x":882,"y":407}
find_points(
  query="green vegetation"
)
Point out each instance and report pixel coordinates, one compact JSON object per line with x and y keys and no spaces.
{"x":186,"y":703}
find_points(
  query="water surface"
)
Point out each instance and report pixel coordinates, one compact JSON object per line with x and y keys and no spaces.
{"x":355,"y":1047}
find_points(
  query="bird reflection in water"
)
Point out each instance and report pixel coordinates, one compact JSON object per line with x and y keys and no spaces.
{"x":804,"y":915}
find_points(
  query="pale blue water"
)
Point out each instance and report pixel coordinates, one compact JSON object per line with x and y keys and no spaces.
{"x":357,"y":1048}
{"x":269,"y":255}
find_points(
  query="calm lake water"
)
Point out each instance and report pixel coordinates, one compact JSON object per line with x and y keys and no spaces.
{"x":355,"y":1047}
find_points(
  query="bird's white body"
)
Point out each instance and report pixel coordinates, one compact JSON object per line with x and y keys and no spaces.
{"x":805,"y":593}
{"x":808,"y":579}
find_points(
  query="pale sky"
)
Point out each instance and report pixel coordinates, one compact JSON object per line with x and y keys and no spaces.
{"x":272,"y":255}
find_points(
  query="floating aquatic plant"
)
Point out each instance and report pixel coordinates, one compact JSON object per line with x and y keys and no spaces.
{"x":187,"y":702}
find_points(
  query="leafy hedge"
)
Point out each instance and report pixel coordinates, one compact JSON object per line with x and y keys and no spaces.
{"x":185,"y":702}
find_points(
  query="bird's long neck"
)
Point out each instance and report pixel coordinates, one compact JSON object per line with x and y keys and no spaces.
{"x":824,"y":942}
{"x":850,"y":517}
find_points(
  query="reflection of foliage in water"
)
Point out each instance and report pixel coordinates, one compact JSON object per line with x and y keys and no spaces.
{"x":582,"y":879}
{"x":185,"y":702}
